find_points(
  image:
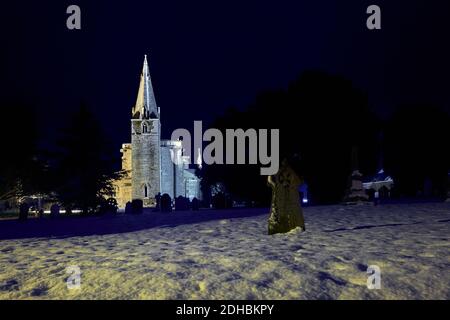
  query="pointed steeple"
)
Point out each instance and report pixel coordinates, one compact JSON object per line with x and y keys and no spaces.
{"x":145,"y":106}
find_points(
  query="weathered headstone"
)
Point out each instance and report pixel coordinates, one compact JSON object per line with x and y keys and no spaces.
{"x":355,"y":192}
{"x":113,"y":205}
{"x":23,"y":211}
{"x":137,"y":206}
{"x":181,"y":203}
{"x":128,"y":208}
{"x":158,"y":202}
{"x":285,"y":212}
{"x":166,"y":203}
{"x":195,"y":204}
{"x":54,"y":211}
{"x":108,"y":206}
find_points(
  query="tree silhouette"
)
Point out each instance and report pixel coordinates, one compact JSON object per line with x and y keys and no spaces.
{"x":320,"y":117}
{"x":417,"y":140}
{"x":84,"y":167}
{"x":21,"y":165}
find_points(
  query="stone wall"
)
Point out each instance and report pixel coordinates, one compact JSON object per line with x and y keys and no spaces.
{"x":167,"y":169}
{"x":192,"y":183}
{"x":122,"y":187}
{"x":172,"y":168}
{"x":146,"y":161}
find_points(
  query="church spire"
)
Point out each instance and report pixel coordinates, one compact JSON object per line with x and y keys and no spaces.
{"x":145,"y":106}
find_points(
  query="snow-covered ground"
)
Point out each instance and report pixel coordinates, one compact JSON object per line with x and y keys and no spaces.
{"x":228,"y":254}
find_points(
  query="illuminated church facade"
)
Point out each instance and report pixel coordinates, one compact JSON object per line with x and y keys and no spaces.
{"x":152,"y":165}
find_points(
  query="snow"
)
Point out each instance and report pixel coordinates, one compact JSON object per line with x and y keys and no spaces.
{"x":228,"y":255}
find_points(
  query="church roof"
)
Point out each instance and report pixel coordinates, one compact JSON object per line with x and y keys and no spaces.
{"x":145,"y":106}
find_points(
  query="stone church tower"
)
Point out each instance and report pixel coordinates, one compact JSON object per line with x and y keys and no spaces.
{"x":145,"y":142}
{"x":152,"y":165}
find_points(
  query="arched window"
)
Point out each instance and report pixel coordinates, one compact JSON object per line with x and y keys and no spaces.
{"x":144,"y":128}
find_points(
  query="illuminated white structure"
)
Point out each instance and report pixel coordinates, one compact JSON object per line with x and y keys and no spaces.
{"x":379,"y":181}
{"x":152,"y":165}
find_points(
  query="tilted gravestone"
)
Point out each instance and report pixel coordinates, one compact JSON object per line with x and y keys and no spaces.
{"x":128,"y":208}
{"x":181,"y":203}
{"x":195,"y":204}
{"x":54,"y":211}
{"x":285,"y":212}
{"x":355,"y":192}
{"x":137,"y":206}
{"x":23,"y":211}
{"x":158,"y":202}
{"x":166,"y":203}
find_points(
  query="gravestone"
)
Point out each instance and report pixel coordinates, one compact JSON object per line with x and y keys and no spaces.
{"x":181,"y":203}
{"x":195,"y":204}
{"x":128,"y":208}
{"x":23,"y":211}
{"x":355,"y":192}
{"x":137,"y":206}
{"x":166,"y":203}
{"x":158,"y":202}
{"x":54,"y":211}
{"x":285,"y":212}
{"x":108,"y":206}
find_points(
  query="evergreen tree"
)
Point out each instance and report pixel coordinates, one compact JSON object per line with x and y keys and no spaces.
{"x":84,"y":167}
{"x":320,"y":117}
{"x":21,"y":166}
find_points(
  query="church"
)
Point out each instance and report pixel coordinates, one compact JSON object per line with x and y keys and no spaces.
{"x":152,"y":165}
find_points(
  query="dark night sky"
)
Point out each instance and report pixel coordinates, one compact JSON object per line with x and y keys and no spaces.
{"x":207,"y":55}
